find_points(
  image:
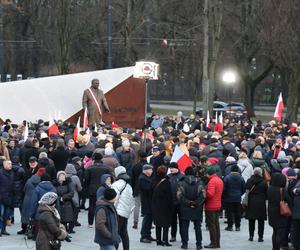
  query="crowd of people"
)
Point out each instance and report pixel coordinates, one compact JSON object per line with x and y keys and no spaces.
{"x":244,"y":170}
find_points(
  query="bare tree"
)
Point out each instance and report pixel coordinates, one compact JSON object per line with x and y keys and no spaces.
{"x":282,"y":40}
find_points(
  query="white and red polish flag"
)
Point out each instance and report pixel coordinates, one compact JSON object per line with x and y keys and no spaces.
{"x":77,"y":130}
{"x":216,"y":127}
{"x":26,"y":131}
{"x":220,"y":123}
{"x":279,"y":109}
{"x":52,"y":129}
{"x":207,"y":120}
{"x":183,"y":161}
{"x":85,"y":119}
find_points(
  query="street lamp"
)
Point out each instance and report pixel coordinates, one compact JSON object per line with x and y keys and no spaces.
{"x":148,"y":71}
{"x":229,"y":78}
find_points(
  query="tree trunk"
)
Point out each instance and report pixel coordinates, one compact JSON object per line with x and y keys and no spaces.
{"x":293,"y":97}
{"x":249,"y":98}
{"x":215,"y":17}
{"x":128,"y":34}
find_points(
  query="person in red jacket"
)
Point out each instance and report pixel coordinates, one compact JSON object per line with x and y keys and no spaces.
{"x":213,"y":205}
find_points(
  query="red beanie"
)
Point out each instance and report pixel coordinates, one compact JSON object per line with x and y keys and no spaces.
{"x":213,"y":160}
{"x":41,"y":171}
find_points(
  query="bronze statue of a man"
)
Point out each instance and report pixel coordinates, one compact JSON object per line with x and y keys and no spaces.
{"x":94,"y":100}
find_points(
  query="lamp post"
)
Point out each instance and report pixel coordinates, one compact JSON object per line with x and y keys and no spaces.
{"x":148,"y":71}
{"x":229,"y":78}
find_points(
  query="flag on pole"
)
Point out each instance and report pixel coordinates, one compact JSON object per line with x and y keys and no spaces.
{"x":183,"y":161}
{"x":216,"y":122}
{"x":220,"y":123}
{"x":87,"y":132}
{"x":85,"y":119}
{"x":252,"y":130}
{"x":207,"y":120}
{"x":77,"y":130}
{"x":52,"y":129}
{"x":59,"y":115}
{"x":26,"y":131}
{"x":279,"y":109}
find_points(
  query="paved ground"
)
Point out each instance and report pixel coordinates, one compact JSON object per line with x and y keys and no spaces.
{"x":83,"y":239}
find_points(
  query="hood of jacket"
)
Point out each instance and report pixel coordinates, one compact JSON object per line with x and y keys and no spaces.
{"x":45,"y":186}
{"x":103,"y":178}
{"x":70,"y":169}
{"x":103,"y":202}
{"x":35,"y":179}
{"x":124,"y":177}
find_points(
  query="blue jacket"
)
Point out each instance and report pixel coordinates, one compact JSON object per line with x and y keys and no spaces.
{"x":29,"y":189}
{"x":42,"y":188}
{"x":234,"y":187}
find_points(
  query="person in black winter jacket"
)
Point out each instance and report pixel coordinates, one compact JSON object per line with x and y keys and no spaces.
{"x":256,"y":208}
{"x":65,"y":192}
{"x":162,"y":205}
{"x":175,"y":177}
{"x":191,"y":194}
{"x":234,"y":188}
{"x":14,"y":151}
{"x":92,"y":183}
{"x":6,"y":194}
{"x":277,"y":221}
{"x":19,"y":177}
{"x":296,"y":215}
{"x":60,"y":155}
{"x":145,"y":185}
{"x":136,"y":172}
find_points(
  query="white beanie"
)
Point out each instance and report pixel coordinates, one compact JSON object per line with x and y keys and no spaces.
{"x":108,"y":151}
{"x":120,"y":170}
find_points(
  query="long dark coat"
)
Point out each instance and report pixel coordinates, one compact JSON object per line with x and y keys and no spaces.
{"x":145,"y":185}
{"x":257,"y":209}
{"x":276,"y":220}
{"x":6,"y":187}
{"x":66,"y":192}
{"x":162,"y":203}
{"x":49,"y":228}
{"x":19,"y":177}
{"x":190,"y":190}
{"x":28,"y":191}
{"x":60,"y":156}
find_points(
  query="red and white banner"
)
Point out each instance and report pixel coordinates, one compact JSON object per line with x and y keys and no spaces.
{"x":183,"y":161}
{"x":85,"y":119}
{"x":77,"y":130}
{"x":279,"y":109}
{"x":52,"y":129}
{"x":207,"y":120}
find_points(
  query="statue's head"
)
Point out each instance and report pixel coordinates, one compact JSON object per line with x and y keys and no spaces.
{"x":95,"y":83}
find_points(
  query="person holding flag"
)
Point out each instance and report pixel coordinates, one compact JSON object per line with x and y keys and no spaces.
{"x":94,"y":101}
